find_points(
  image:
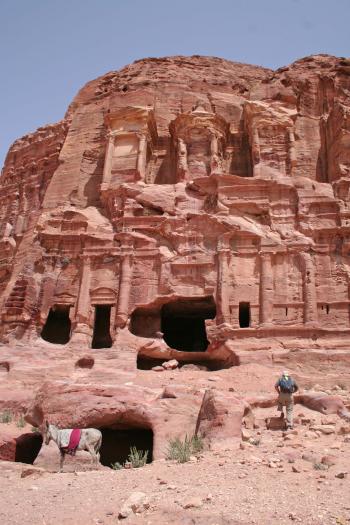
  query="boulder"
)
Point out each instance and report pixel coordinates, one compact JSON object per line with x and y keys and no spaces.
{"x":275,"y":423}
{"x":137,"y":502}
{"x":170,"y":365}
{"x":323,"y":403}
{"x":220,"y":417}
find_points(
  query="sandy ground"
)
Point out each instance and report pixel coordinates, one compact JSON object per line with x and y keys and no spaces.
{"x":274,"y":482}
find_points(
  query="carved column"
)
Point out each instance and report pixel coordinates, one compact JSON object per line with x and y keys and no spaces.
{"x":309,"y":289}
{"x":215,"y":161}
{"x":142,"y":155}
{"x":222,"y":292}
{"x":83,"y":306}
{"x":266,"y":290}
{"x":81,"y":333}
{"x":292,"y":151}
{"x":35,"y":200}
{"x":126,"y":270}
{"x":47,"y":294}
{"x":214,"y":145}
{"x":182,"y":166}
{"x":107,"y":170}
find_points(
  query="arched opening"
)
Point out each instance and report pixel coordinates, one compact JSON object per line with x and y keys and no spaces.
{"x":244,"y":315}
{"x":28,"y":447}
{"x":101,"y":336}
{"x":183,"y":323}
{"x":116,"y":444}
{"x":57,"y":328}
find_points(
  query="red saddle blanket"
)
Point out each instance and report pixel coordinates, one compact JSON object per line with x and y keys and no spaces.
{"x":74,"y":441}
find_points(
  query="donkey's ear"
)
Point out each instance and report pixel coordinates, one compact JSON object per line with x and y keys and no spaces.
{"x":46,"y":423}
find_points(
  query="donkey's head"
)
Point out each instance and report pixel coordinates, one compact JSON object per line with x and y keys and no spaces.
{"x":47,"y":433}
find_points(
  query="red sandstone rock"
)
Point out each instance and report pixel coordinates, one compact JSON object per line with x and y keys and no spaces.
{"x":189,"y":209}
{"x":8,"y":445}
{"x":116,"y":407}
{"x":324,"y":403}
{"x":154,"y":203}
{"x":220,"y":418}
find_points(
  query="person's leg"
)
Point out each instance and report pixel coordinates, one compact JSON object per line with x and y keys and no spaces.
{"x":289,"y":410}
{"x":280,"y":405}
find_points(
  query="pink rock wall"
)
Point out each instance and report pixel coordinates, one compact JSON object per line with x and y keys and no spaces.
{"x":184,"y":200}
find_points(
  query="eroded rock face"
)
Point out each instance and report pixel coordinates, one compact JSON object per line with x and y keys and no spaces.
{"x":189,"y":209}
{"x":156,"y":418}
{"x":190,"y":193}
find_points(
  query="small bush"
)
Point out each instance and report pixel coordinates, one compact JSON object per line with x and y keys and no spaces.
{"x":116,"y":466}
{"x":34,"y":429}
{"x":137,"y":458}
{"x":21,"y":422}
{"x":181,"y":451}
{"x":197,"y":444}
{"x":6,"y":416}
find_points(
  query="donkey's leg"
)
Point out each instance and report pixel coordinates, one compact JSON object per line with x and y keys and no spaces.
{"x":97,"y":451}
{"x":62,"y":456}
{"x":92,"y":453}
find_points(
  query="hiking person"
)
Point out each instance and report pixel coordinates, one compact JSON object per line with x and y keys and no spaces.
{"x":286,"y":386}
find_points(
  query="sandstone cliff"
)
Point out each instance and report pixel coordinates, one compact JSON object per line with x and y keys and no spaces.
{"x":183,"y":192}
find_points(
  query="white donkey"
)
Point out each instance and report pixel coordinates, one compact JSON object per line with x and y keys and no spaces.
{"x":90,"y":440}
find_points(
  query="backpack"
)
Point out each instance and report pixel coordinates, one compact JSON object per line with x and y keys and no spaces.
{"x":286,"y":385}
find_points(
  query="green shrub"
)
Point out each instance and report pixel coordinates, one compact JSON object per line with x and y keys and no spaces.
{"x":21,"y":422}
{"x":34,"y":429}
{"x":116,"y":466}
{"x":137,"y":458}
{"x":6,"y":416}
{"x":181,"y":451}
{"x":197,"y":444}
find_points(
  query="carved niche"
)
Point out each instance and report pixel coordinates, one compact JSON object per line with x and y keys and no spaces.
{"x":132,"y":138}
{"x":199,"y":139}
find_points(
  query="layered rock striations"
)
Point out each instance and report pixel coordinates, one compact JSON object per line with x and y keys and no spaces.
{"x":184,"y":208}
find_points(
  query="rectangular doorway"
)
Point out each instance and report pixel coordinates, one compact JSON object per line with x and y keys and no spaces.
{"x":244,"y":315}
{"x":102,"y":336}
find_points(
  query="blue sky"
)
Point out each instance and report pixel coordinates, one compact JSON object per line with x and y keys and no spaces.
{"x":51,"y":48}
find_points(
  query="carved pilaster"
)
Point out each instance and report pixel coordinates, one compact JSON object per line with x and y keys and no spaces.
{"x":126,"y":270}
{"x":142,"y":156}
{"x":292,"y":151}
{"x":266,"y":290}
{"x":107,"y":170}
{"x":182,"y":166}
{"x":47,"y":294}
{"x":83,"y":306}
{"x":216,"y":160}
{"x":309,"y":289}
{"x":222,"y":292}
{"x":81,"y":332}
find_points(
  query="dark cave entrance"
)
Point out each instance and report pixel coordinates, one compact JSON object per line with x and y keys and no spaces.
{"x":57,"y":327}
{"x":101,"y":336}
{"x":116,"y":444}
{"x":28,"y":447}
{"x":244,"y":315}
{"x":183,"y":323}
